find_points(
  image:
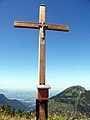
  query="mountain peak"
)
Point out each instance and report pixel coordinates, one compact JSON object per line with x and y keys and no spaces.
{"x":73,"y":91}
{"x":76,"y":98}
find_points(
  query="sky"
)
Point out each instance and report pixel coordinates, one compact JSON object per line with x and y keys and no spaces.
{"x":67,"y":53}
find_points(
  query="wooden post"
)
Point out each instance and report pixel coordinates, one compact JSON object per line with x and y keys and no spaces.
{"x":42,"y":46}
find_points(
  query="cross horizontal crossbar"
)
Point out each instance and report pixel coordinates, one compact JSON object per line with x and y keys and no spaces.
{"x":36,"y":25}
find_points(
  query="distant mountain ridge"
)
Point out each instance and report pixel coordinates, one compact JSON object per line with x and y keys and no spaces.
{"x":74,"y":99}
{"x":14,"y":104}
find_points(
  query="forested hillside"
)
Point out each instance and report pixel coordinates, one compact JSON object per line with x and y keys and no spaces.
{"x":74,"y":101}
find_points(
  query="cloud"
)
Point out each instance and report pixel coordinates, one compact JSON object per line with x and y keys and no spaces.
{"x":4,"y":84}
{"x":8,"y":83}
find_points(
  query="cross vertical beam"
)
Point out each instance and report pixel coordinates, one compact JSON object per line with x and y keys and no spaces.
{"x":42,"y":46}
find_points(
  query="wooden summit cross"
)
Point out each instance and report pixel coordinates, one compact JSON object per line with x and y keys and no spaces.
{"x":42,"y":96}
